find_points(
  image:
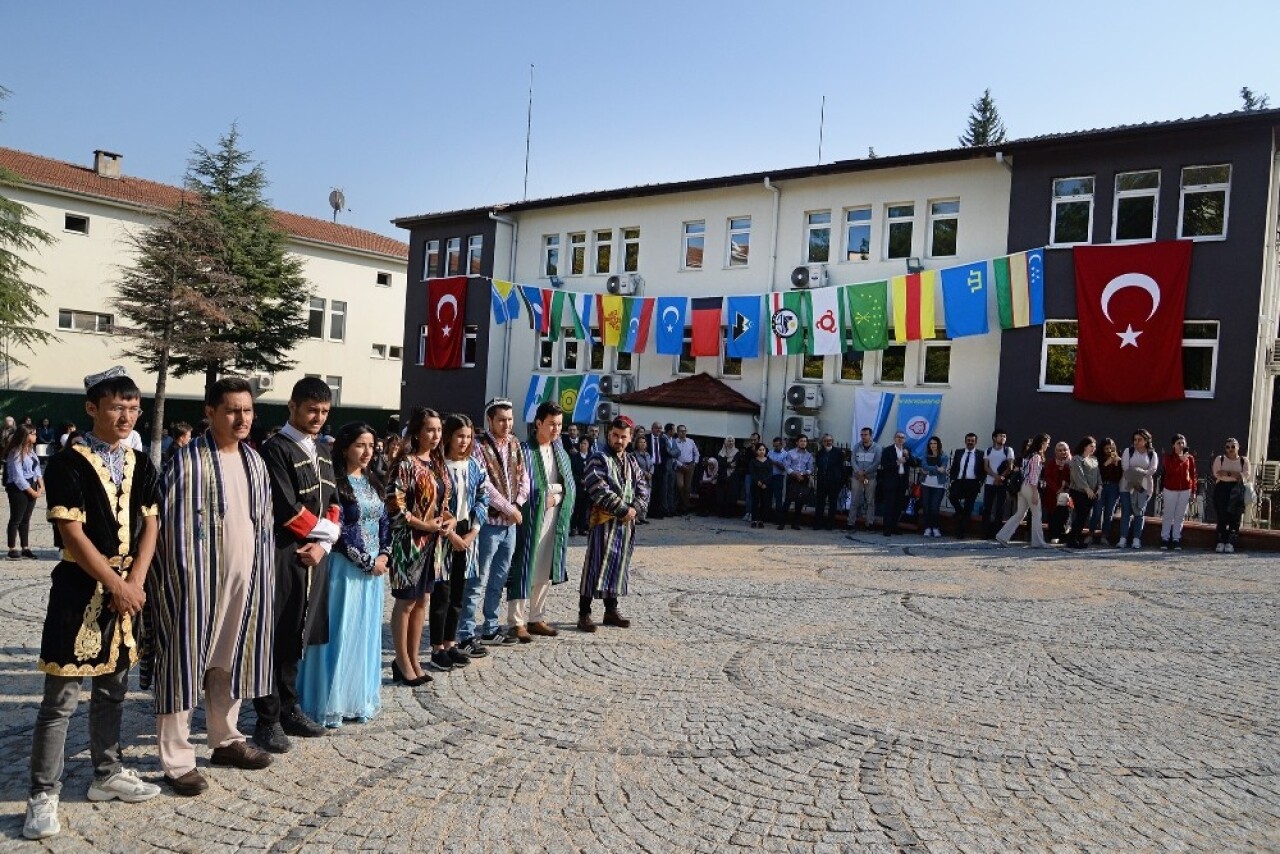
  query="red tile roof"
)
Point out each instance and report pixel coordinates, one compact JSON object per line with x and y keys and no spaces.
{"x":700,"y":391}
{"x":82,"y":180}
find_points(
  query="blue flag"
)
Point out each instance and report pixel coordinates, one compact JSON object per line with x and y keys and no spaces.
{"x":870,"y":409}
{"x":506,"y":302}
{"x":964,"y":295}
{"x":584,"y":411}
{"x":541,"y":388}
{"x":918,"y":418}
{"x":742,"y":319}
{"x":532,"y":295}
{"x":671,"y":312}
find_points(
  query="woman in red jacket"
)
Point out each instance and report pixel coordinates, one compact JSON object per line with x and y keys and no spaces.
{"x":1179,"y":487}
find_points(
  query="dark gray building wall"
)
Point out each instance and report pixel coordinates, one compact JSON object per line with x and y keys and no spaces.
{"x":462,"y":390}
{"x":1224,"y":284}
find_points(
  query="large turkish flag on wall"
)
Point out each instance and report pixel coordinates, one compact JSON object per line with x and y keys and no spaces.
{"x":446,"y":305}
{"x":1131,"y":301}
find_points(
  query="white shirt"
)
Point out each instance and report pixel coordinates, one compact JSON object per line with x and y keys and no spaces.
{"x":688,"y":451}
{"x":969,"y":464}
{"x":135,"y":440}
{"x":995,"y":457}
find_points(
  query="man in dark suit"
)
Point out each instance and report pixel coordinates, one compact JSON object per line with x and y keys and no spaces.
{"x":966,"y":481}
{"x":828,"y":466}
{"x":896,"y":463}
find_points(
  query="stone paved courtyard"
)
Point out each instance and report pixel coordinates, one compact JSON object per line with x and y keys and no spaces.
{"x":779,"y":691}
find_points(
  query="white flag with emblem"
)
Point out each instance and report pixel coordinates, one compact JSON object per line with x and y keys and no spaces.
{"x":826,"y":332}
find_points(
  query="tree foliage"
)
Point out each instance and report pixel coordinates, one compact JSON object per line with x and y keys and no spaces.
{"x":19,"y":298}
{"x":230,"y":188}
{"x":985,"y":126}
{"x":1254,"y":101}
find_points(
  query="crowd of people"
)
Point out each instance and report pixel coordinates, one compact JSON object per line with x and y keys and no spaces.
{"x":246,"y":570}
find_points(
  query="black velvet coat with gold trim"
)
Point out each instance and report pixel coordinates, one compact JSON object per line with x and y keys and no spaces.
{"x":82,"y":635}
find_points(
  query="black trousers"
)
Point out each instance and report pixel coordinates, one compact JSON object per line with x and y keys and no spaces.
{"x":20,"y":507}
{"x":799,"y":494}
{"x":584,"y":605}
{"x":895,"y":501}
{"x":302,"y":618}
{"x":1083,"y":509}
{"x":824,"y":507}
{"x":993,"y":496}
{"x":445,"y":606}
{"x":964,"y":494}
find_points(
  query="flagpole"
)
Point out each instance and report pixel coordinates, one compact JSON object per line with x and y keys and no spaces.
{"x":822,"y":120}
{"x":528,"y":133}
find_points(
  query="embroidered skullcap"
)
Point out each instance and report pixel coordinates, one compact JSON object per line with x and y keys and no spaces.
{"x":101,"y":377}
{"x":496,"y":403}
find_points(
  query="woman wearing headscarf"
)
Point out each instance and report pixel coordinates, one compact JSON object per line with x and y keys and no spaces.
{"x":729,"y":489}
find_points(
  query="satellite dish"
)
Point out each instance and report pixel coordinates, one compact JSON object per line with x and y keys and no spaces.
{"x":337,"y":201}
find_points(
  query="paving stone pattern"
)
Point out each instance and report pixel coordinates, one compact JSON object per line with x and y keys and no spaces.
{"x":779,"y":691}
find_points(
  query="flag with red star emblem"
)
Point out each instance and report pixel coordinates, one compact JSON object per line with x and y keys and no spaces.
{"x":446,"y":314}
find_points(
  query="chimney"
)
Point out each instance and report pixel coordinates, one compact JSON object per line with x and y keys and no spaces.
{"x":106,"y":164}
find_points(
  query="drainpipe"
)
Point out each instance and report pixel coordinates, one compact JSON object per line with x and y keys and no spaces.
{"x":1000,"y":158}
{"x":511,"y":274}
{"x":773,"y":271}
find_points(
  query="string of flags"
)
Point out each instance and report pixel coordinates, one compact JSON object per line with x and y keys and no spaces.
{"x":820,"y":321}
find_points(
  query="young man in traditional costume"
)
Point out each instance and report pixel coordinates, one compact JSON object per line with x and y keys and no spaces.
{"x":543,"y":538}
{"x":304,"y":502}
{"x":211,"y":594}
{"x":103,"y":501}
{"x":617,"y":494}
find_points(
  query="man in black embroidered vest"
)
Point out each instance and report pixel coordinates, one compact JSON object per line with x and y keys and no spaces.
{"x":103,"y":503}
{"x":304,"y":503}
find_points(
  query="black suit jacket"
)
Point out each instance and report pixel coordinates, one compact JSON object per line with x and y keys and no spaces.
{"x":889,"y":468}
{"x":957,"y":457}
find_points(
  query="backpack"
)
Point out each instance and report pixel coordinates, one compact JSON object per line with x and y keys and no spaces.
{"x":1014,"y":477}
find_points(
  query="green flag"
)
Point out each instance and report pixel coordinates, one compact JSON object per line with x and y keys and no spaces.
{"x":557,"y":315}
{"x":866,"y":311}
{"x":786,"y":323}
{"x":567,"y":389}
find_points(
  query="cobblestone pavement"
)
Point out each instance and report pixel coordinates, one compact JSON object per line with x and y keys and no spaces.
{"x":778,"y":691}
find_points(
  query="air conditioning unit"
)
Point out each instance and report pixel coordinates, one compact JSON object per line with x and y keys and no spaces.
{"x":809,"y":276}
{"x":264,"y":382}
{"x":612,"y":385}
{"x":607,"y":410}
{"x":624,"y":284}
{"x":804,"y":396}
{"x":796,"y":426}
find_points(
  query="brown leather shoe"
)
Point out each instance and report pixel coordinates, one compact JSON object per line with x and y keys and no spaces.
{"x":542,"y":630}
{"x":189,"y":784}
{"x":240,"y":754}
{"x":521,"y":634}
{"x":613,"y":618}
{"x":585,"y":624}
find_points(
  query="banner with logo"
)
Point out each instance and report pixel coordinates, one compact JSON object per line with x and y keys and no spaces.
{"x":918,"y":419}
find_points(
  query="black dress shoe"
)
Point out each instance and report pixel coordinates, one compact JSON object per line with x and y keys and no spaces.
{"x":271,"y":737}
{"x":189,"y":784}
{"x":297,"y":723}
{"x":240,"y":754}
{"x":397,"y":675}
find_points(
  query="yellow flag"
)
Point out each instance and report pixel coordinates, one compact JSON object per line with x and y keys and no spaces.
{"x":611,"y":316}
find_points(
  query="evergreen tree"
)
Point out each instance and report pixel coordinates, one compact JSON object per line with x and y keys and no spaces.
{"x":1254,"y":102}
{"x":19,"y":298}
{"x":230,"y":187}
{"x":176,"y":299}
{"x":985,"y":126}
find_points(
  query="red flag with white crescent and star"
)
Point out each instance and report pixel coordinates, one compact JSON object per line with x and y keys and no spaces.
{"x":446,"y":313}
{"x":1131,"y":301}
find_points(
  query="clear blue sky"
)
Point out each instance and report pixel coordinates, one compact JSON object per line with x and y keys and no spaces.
{"x":416,"y":106}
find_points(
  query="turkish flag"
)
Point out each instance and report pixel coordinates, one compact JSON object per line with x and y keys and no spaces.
{"x":1131,"y":301}
{"x":446,"y":311}
{"x":705,"y":338}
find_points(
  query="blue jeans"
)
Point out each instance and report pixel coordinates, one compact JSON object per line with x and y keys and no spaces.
{"x":1131,"y":518}
{"x":778,"y":492}
{"x":932,"y":499}
{"x":496,"y":544}
{"x":1104,"y":509}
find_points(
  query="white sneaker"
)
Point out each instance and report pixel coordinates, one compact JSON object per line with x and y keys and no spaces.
{"x":1220,"y":547}
{"x":1229,"y":549}
{"x":1136,"y":544}
{"x":1122,"y":544}
{"x":746,"y":518}
{"x":125,"y":785}
{"x":42,"y":817}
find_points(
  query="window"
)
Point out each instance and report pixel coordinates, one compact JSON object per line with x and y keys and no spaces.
{"x":470,"y":345}
{"x":1203,"y":208}
{"x":475,"y":249}
{"x":379,"y":351}
{"x":630,"y":250}
{"x":729,"y":366}
{"x":1058,"y":355}
{"x":577,"y":253}
{"x":1072,"y":219}
{"x":1134,"y":216}
{"x":453,"y":256}
{"x":893,"y":364}
{"x":935,"y":361}
{"x":335,"y":385}
{"x":546,"y":354}
{"x":739,"y":242}
{"x":551,"y":255}
{"x":603,"y":254}
{"x":811,"y":367}
{"x":899,"y":222}
{"x":624,"y":363}
{"x":695,"y":238}
{"x":686,"y":364}
{"x":395,"y":352}
{"x":85,"y":321}
{"x":337,"y":320}
{"x":944,"y":228}
{"x":857,"y":224}
{"x":430,"y":258}
{"x":75,"y":223}
{"x":422,"y":345}
{"x":383,"y":280}
{"x":315,"y":319}
{"x":851,"y":362}
{"x":596,"y":356}
{"x":1199,"y":357}
{"x":817,"y":237}
{"x":569,"y":362}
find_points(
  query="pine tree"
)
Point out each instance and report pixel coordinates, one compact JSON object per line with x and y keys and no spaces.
{"x":1254,"y":102}
{"x":19,"y":298}
{"x":176,"y":299}
{"x":230,"y":187}
{"x":985,"y":126}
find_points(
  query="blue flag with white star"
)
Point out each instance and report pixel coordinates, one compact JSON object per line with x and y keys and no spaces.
{"x":670,"y":313}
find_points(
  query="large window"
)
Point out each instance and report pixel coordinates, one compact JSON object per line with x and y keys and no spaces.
{"x":335,"y":386}
{"x":430,"y":259}
{"x":84,"y":321}
{"x":577,"y":253}
{"x":729,"y":365}
{"x":812,"y":367}
{"x":1199,"y":356}
{"x":315,"y":319}
{"x":817,"y":237}
{"x":470,"y":345}
{"x":453,"y":256}
{"x":596,"y":354}
{"x":603,"y":255}
{"x":569,"y":361}
{"x":935,"y":361}
{"x":857,"y":225}
{"x":944,"y":228}
{"x":686,"y":364}
{"x":337,"y":320}
{"x":475,"y":249}
{"x":624,"y":363}
{"x":893,"y":364}
{"x":422,"y":345}
{"x":630,"y":250}
{"x":551,"y":255}
{"x":693,"y":244}
{"x":1203,"y":207}
{"x":1137,"y":200}
{"x":739,"y":253}
{"x":546,"y":354}
{"x":899,"y":221}
{"x":1072,"y":219}
{"x":851,"y":362}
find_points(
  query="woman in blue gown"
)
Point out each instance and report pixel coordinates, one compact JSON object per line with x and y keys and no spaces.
{"x":341,"y":680}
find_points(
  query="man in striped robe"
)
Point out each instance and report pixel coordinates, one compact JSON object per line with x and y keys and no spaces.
{"x":211,"y":594}
{"x":618,"y":494}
